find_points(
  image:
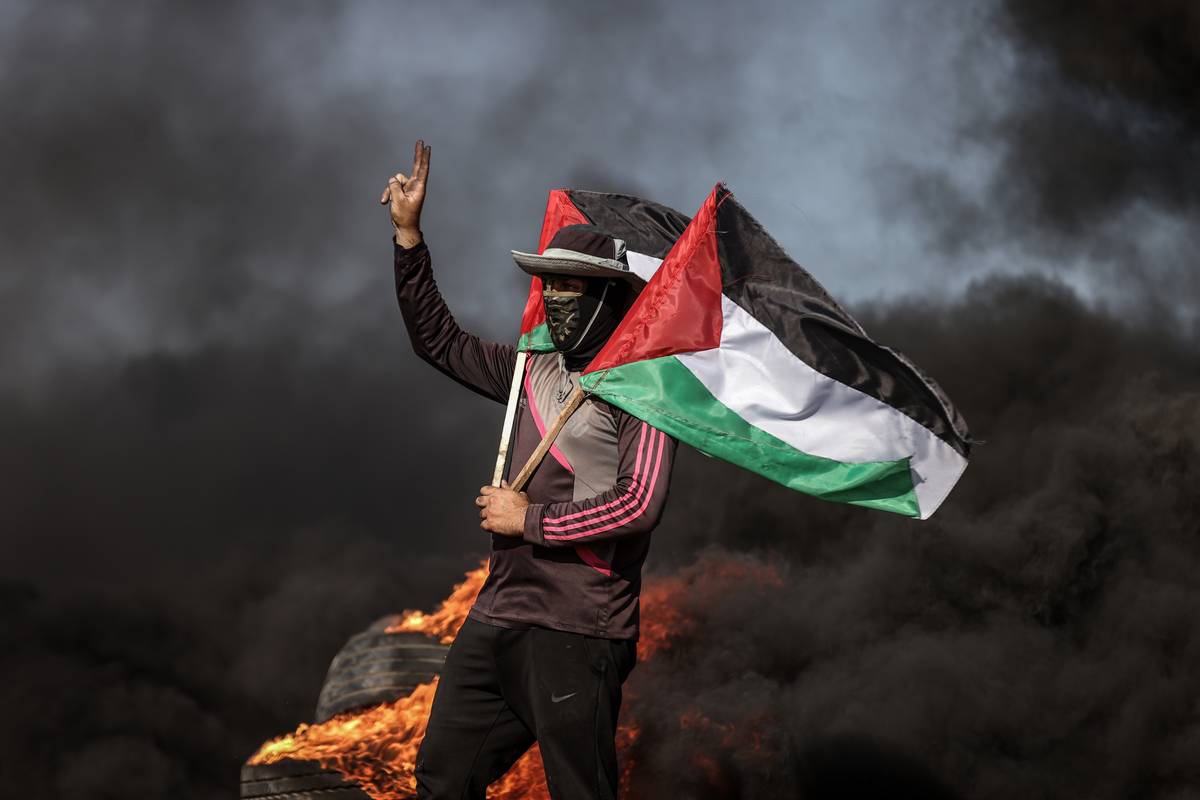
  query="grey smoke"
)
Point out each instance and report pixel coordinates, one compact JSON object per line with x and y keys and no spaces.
{"x":1085,"y":115}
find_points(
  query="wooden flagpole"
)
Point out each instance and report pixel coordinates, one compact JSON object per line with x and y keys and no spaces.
{"x":543,"y":447}
{"x":510,"y":413}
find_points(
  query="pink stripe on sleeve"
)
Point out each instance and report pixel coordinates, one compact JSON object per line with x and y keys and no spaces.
{"x":637,"y":470}
{"x":628,"y":500}
{"x":630,"y":517}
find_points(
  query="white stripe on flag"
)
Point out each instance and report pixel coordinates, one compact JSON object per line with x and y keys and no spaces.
{"x":642,"y":265}
{"x":758,"y":378}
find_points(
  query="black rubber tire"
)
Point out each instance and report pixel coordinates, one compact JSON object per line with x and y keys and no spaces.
{"x":376,"y":667}
{"x":297,"y":780}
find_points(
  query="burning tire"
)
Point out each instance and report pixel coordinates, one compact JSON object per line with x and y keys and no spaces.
{"x":297,"y":780}
{"x":378,"y":667}
{"x":373,"y":667}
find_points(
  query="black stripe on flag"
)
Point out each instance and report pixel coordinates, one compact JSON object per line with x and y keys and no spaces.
{"x":647,"y":228}
{"x":763,"y":280}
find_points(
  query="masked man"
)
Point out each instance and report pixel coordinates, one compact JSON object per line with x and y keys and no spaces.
{"x":553,"y":632}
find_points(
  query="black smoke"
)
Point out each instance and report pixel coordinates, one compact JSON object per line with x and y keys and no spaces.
{"x":1093,"y":136}
{"x":1037,"y":632}
{"x":220,"y":459}
{"x":1112,"y":113}
{"x":1037,"y":636}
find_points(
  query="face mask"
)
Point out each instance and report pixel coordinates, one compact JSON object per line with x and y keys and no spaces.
{"x":563,"y":311}
{"x":580,"y":322}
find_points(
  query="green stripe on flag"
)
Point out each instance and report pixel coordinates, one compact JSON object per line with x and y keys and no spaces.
{"x":537,"y":340}
{"x":665,"y":393}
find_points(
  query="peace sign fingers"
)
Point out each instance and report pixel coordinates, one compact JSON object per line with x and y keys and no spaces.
{"x":407,"y":193}
{"x":420,"y":169}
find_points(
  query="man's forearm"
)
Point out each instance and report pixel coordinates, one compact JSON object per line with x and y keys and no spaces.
{"x":407,"y":238}
{"x":631,"y":508}
{"x":486,"y":367}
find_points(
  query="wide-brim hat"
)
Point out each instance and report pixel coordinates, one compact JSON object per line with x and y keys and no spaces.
{"x":587,"y":251}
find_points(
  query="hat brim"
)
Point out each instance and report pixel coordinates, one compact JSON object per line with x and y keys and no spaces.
{"x":556,"y":261}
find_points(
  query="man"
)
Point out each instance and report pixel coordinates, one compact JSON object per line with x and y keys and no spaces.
{"x":553,"y":632}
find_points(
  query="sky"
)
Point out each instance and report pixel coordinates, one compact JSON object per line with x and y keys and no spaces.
{"x":217,"y":439}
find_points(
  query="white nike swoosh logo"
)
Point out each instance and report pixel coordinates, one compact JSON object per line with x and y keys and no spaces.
{"x":556,"y":699}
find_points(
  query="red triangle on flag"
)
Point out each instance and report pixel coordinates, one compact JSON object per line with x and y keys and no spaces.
{"x":679,"y":311}
{"x":560,"y":212}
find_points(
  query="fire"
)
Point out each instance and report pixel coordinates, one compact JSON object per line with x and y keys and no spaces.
{"x":445,"y":622}
{"x":663,"y":600}
{"x":377,"y":747}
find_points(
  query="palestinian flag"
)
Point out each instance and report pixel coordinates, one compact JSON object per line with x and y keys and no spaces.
{"x":648,"y":229}
{"x":735,"y":349}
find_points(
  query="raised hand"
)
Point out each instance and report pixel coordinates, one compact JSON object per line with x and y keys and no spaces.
{"x":407,"y":195}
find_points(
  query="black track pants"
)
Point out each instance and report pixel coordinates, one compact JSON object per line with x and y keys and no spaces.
{"x":502,"y":689}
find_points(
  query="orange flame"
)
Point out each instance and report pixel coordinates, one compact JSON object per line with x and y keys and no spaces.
{"x":445,"y":622}
{"x":377,"y":747}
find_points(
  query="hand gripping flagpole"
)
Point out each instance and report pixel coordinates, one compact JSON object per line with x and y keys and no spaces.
{"x":510,"y":414}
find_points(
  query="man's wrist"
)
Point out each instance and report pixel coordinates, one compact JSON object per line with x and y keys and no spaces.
{"x":407,"y":238}
{"x":533,"y":524}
